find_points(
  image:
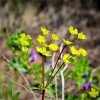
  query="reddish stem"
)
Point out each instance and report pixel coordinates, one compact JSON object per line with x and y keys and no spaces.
{"x":43,"y":74}
{"x":55,"y":66}
{"x":43,"y":94}
{"x":54,"y":75}
{"x":33,"y":71}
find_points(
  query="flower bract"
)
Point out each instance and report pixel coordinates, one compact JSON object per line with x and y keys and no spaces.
{"x":80,"y":52}
{"x":43,"y":51}
{"x":67,"y":42}
{"x":55,"y":37}
{"x":67,"y":58}
{"x":81,"y":36}
{"x":72,"y":30}
{"x":83,"y":96}
{"x":83,"y":52}
{"x":41,"y":40}
{"x":93,"y":93}
{"x":53,"y":47}
{"x":24,"y":41}
{"x":44,"y":31}
{"x":74,"y":51}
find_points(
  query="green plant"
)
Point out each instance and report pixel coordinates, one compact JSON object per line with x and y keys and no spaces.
{"x":20,"y":44}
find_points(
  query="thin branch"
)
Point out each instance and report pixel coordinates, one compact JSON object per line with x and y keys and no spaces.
{"x":55,"y":79}
{"x":55,"y":66}
{"x":19,"y":84}
{"x":33,"y":71}
{"x":55,"y":74}
{"x":26,"y":88}
{"x":2,"y":92}
{"x":20,"y":73}
{"x":43,"y":72}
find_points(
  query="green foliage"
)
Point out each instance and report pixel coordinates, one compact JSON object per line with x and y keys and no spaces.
{"x":13,"y":42}
{"x":18,"y":64}
{"x":71,"y":97}
{"x":81,"y":67}
{"x":8,"y":91}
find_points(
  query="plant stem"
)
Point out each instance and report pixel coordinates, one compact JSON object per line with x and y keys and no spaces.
{"x":55,"y":66}
{"x":43,"y":74}
{"x":33,"y":71}
{"x":54,"y":76}
{"x":43,"y":94}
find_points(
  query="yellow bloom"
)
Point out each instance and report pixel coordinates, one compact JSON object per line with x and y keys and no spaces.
{"x":67,"y":42}
{"x":53,"y":47}
{"x":93,"y":93}
{"x":83,"y":96}
{"x":24,"y":39}
{"x":41,"y":40}
{"x":72,"y":30}
{"x":81,"y":36}
{"x":80,"y":52}
{"x":83,"y":52}
{"x":66,"y":58}
{"x":74,"y":51}
{"x":24,"y":42}
{"x":43,"y":51}
{"x":44,"y":31}
{"x":55,"y":37}
{"x":24,"y":49}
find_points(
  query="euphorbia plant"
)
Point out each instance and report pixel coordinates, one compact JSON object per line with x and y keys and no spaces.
{"x":46,"y":49}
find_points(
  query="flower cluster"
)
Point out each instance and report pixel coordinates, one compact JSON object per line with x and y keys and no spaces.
{"x":79,"y":52}
{"x":83,"y":96}
{"x":46,"y":48}
{"x":44,"y":31}
{"x":70,"y":44}
{"x":93,"y":93}
{"x":41,"y":40}
{"x":55,"y":37}
{"x":24,"y":42}
{"x":67,"y":58}
{"x":67,"y":42}
{"x":80,"y":35}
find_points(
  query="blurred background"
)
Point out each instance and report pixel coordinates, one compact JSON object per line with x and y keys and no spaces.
{"x":55,"y":15}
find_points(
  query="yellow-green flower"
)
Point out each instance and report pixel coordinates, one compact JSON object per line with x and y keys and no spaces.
{"x":53,"y":47}
{"x":66,"y":58}
{"x":24,"y":49}
{"x":83,"y":96}
{"x":74,"y":51}
{"x":72,"y":30}
{"x":24,"y":39}
{"x":80,"y":52}
{"x":81,"y":36}
{"x":67,"y":42}
{"x":43,"y":51}
{"x":55,"y":37}
{"x":41,"y":40}
{"x":83,"y":52}
{"x":44,"y":31}
{"x":93,"y":93}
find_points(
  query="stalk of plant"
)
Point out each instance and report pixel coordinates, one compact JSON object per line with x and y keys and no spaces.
{"x":43,"y":76}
